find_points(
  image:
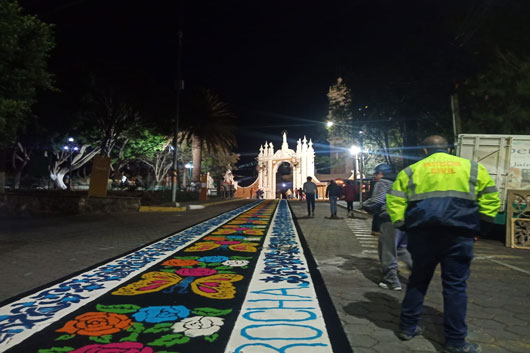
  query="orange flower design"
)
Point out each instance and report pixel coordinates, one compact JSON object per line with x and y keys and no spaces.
{"x":180,"y":262}
{"x":97,"y":324}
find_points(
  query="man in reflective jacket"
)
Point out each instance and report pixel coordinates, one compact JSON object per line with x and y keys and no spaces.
{"x":440,"y":201}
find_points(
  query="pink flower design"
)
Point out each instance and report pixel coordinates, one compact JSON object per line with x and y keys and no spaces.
{"x":196,"y":272}
{"x":227,"y":242}
{"x":122,"y":347}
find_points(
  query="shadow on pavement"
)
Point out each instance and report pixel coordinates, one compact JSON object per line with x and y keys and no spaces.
{"x":383,"y":310}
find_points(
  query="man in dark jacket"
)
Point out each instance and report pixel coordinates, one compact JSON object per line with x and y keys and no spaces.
{"x":333,"y":191}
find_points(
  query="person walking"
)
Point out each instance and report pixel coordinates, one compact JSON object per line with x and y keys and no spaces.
{"x":349,"y":196}
{"x":310,"y":190}
{"x":391,"y":241}
{"x":333,"y":191}
{"x":439,"y":201}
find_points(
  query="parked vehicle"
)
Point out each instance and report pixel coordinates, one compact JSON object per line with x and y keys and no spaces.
{"x":506,"y":157}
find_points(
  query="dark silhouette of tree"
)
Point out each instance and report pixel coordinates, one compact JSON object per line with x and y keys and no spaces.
{"x":25,"y":44}
{"x":207,"y":121}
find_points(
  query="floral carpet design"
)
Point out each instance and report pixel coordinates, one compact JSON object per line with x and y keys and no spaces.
{"x":186,"y":301}
{"x":237,"y":283}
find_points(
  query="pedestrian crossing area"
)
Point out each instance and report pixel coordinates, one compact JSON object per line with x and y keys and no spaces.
{"x":362,"y":229}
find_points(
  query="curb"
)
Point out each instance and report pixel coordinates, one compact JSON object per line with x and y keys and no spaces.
{"x":183,"y":208}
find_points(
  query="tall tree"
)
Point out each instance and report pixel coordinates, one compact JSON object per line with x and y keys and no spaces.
{"x":208,"y":122}
{"x":498,"y":100}
{"x":25,"y":45}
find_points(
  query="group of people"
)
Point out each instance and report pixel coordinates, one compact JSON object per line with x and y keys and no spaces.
{"x":428,"y":214}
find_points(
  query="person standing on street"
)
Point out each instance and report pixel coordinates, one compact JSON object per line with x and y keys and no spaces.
{"x":333,"y":191}
{"x":391,"y":240}
{"x":349,"y":196}
{"x":439,"y":201}
{"x":310,"y":190}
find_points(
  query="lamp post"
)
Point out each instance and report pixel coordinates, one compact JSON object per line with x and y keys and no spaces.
{"x":361,"y":167}
{"x":70,"y":147}
{"x":189,"y":167}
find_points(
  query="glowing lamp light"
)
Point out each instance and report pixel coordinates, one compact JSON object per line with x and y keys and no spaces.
{"x":283,"y":184}
{"x":70,"y":139}
{"x":355,"y":150}
{"x":329,"y":123}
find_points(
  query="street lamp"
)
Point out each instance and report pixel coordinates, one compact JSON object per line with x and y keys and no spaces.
{"x":189,"y":167}
{"x":361,"y":168}
{"x":70,"y":147}
{"x":329,"y":124}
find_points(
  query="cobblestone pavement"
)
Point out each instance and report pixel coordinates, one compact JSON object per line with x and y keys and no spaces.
{"x":37,"y":250}
{"x":498,"y":290}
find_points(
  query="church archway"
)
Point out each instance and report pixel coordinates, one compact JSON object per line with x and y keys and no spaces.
{"x":301,"y":162}
{"x":284,"y":179}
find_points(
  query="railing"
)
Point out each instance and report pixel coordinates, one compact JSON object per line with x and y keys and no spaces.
{"x":518,"y":219}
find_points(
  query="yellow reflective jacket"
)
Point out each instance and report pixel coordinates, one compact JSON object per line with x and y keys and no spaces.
{"x":443,"y":190}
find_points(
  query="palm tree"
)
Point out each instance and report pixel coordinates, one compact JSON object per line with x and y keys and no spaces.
{"x":207,"y":122}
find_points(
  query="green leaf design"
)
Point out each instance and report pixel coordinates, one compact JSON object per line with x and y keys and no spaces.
{"x":132,"y":337}
{"x":101,"y":339}
{"x":213,"y":264}
{"x":136,"y":327}
{"x":170,"y":340}
{"x":211,"y":311}
{"x":186,"y":257}
{"x":223,"y":268}
{"x":167,"y":270}
{"x":56,"y":350}
{"x":159,"y":328}
{"x":225,"y":271}
{"x":118,"y":308}
{"x":211,"y":338}
{"x":240,"y":257}
{"x":64,"y":337}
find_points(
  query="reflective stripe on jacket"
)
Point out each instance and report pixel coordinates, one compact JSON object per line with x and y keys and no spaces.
{"x":443,"y":190}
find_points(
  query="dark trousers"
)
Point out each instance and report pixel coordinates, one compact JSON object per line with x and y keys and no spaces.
{"x":310,"y":199}
{"x":454,"y":254}
{"x":349,"y":205}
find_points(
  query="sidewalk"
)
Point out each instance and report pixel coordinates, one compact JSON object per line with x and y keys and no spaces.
{"x":498,"y":290}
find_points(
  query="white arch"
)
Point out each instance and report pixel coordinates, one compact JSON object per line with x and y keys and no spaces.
{"x":302,"y":163}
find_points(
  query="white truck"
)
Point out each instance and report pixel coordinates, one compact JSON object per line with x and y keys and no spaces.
{"x":506,"y":157}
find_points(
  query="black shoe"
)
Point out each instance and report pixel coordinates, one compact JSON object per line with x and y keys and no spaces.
{"x":405,"y":336}
{"x":466,"y":348}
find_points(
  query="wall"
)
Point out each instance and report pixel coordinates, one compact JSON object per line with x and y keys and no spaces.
{"x":245,"y":192}
{"x":27,"y":203}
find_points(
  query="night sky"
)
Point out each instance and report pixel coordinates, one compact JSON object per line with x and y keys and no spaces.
{"x":272,"y":61}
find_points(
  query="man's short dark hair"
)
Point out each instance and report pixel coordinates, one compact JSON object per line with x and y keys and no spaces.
{"x":309,"y":178}
{"x":434,"y":143}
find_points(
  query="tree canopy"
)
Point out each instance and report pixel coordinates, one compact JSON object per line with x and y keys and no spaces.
{"x":25,"y":45}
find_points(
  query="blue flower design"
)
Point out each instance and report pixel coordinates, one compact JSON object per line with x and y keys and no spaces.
{"x":236,"y":237}
{"x":155,"y":314}
{"x":213,"y":258}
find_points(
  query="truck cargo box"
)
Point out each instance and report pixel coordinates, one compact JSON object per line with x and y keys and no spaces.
{"x":506,"y":157}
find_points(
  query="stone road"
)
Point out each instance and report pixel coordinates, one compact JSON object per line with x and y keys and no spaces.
{"x":499,"y":290}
